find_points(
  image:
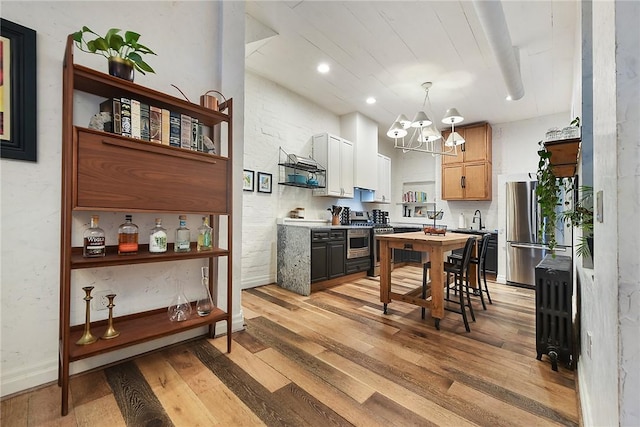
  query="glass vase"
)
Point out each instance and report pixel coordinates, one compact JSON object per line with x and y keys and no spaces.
{"x":205,"y":305}
{"x":180,"y":308}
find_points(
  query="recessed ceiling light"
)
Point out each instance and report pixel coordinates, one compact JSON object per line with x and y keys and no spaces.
{"x":371,"y":100}
{"x":323,"y":68}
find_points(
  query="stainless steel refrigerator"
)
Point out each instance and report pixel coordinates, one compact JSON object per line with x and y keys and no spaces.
{"x":525,"y":249}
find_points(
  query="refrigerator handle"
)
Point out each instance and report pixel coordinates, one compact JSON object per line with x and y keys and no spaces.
{"x":535,"y":215}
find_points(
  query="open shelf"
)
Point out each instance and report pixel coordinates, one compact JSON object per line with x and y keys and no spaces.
{"x":142,"y":257}
{"x":289,"y":167}
{"x":100,"y":84}
{"x":136,"y":329}
{"x":564,"y":156}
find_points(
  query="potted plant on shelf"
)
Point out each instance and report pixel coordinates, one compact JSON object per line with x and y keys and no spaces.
{"x":548,"y":192}
{"x":123,"y":53}
{"x":581,"y":216}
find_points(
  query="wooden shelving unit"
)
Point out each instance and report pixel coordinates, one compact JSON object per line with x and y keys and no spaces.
{"x":108,"y":172}
{"x":564,"y":156}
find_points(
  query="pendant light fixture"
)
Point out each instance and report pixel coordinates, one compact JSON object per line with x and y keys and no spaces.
{"x":425,"y":137}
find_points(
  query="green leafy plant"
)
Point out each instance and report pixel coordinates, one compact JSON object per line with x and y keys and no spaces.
{"x":581,"y":216}
{"x":548,"y":192}
{"x":114,"y":45}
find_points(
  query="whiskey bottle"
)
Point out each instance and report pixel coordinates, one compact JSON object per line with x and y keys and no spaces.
{"x":205,"y":241}
{"x":94,"y":240}
{"x":183,"y":236}
{"x":158,"y":238}
{"x":127,"y":237}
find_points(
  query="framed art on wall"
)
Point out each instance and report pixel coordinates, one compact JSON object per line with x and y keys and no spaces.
{"x":264,"y":182}
{"x":247,"y":180}
{"x":17,"y":92}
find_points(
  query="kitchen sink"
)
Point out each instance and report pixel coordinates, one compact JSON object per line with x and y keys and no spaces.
{"x":470,"y":231}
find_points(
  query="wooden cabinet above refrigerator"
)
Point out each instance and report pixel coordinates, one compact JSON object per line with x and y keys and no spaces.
{"x":467,"y":176}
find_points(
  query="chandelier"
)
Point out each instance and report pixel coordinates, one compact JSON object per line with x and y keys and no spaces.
{"x":425,"y":137}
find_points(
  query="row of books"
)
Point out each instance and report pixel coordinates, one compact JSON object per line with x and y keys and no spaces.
{"x":135,"y":119}
{"x":414,"y":197}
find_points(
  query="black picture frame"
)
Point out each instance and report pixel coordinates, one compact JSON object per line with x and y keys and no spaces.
{"x":18,"y":140}
{"x":265,"y":182}
{"x":248,"y":183}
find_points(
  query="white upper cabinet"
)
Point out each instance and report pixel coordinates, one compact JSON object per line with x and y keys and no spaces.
{"x":383,"y":189}
{"x":363,"y":132}
{"x":337,"y":155}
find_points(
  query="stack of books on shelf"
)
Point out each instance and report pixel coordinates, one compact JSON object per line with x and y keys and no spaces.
{"x":135,"y":119}
{"x":414,"y":197}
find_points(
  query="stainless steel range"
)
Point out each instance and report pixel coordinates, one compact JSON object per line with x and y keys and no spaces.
{"x":378,"y":229}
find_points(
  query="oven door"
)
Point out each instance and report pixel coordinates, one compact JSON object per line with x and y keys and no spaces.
{"x":358,"y":243}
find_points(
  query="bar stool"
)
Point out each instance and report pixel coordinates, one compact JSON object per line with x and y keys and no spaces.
{"x":481,"y":268}
{"x":460,"y":285}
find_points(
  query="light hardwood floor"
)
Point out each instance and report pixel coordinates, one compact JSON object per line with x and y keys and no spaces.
{"x":331,"y":358}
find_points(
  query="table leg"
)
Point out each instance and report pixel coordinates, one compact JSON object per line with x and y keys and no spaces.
{"x":385,"y":274}
{"x":437,"y":284}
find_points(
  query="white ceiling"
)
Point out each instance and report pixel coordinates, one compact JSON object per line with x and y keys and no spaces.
{"x":387,"y":49}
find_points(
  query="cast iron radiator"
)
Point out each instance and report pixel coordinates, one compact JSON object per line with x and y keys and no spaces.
{"x":554,"y":295}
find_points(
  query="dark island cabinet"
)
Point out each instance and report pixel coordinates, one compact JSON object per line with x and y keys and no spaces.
{"x":328,"y":254}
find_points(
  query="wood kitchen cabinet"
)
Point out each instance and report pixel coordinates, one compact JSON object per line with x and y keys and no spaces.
{"x":106,"y":172}
{"x":337,"y":155}
{"x":468,"y":176}
{"x":328,"y":254}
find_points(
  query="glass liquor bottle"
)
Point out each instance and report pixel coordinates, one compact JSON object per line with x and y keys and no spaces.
{"x":183,"y":236}
{"x":127,"y":237}
{"x":205,"y":233}
{"x":180,"y":308}
{"x":94,"y":240}
{"x":205,"y":305}
{"x":158,"y":238}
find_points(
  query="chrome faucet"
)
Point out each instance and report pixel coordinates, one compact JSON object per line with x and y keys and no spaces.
{"x":478,"y":214}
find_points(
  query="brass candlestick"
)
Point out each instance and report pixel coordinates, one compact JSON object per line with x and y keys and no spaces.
{"x":110,"y":332}
{"x":87,"y":337}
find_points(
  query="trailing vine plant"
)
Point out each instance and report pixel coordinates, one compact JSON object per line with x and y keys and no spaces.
{"x":548,"y":193}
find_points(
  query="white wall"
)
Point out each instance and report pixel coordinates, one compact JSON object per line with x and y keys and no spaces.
{"x":277,"y":117}
{"x":610,"y":374}
{"x":31,"y":191}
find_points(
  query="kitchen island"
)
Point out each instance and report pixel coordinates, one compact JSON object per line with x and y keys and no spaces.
{"x":312,"y":256}
{"x":435,"y":246}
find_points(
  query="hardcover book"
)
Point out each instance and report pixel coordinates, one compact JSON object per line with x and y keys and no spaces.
{"x":155,"y":124}
{"x":135,"y":119}
{"x":166,"y":126}
{"x":194,"y":134}
{"x":185,"y":131}
{"x":125,"y":116}
{"x":144,"y":121}
{"x":112,"y":106}
{"x":174,"y":129}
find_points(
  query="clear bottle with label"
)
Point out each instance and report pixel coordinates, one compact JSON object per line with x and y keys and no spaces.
{"x":94,"y":240}
{"x":158,"y":238}
{"x":183,"y":236}
{"x":205,"y":234}
{"x":127,"y":237}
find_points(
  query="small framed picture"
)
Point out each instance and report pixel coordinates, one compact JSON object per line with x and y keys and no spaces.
{"x":264,"y":182}
{"x":247,"y":180}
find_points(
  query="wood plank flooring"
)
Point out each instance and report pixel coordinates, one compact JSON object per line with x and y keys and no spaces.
{"x":331,"y":358}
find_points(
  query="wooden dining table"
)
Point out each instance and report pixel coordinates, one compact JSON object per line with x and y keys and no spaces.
{"x":436,"y":246}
